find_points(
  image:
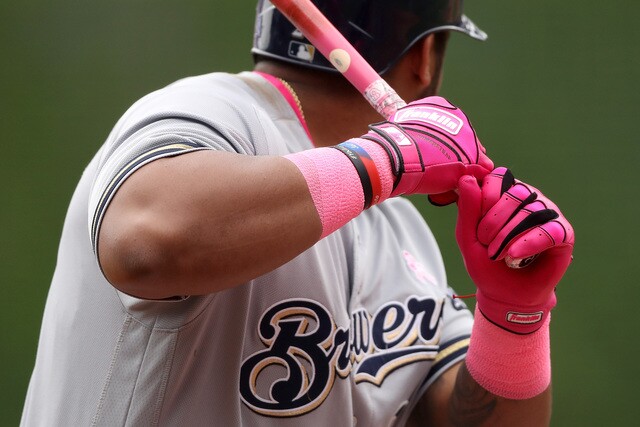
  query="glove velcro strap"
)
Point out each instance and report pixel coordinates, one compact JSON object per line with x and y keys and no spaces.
{"x":366,"y":169}
{"x":514,"y":318}
{"x":403,"y":152}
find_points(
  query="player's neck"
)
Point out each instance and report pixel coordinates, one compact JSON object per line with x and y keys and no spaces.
{"x":334,"y":116}
{"x":333,"y":109}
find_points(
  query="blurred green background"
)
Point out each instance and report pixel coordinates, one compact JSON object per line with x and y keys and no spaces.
{"x":553,"y":94}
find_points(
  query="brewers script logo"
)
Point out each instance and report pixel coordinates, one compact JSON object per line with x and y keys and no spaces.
{"x":305,"y":351}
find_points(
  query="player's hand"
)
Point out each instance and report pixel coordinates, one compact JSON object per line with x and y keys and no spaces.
{"x":431,"y":144}
{"x":510,"y":219}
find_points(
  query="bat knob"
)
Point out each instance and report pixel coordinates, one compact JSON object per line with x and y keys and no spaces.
{"x":519,"y":262}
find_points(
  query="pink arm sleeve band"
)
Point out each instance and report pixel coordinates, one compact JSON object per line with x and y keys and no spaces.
{"x":509,"y":365}
{"x":334,"y":183}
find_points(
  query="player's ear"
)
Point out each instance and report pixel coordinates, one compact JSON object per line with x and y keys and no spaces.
{"x":425,"y":60}
{"x":417,"y":73}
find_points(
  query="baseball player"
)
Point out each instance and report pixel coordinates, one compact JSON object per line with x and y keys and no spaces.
{"x":236,"y":253}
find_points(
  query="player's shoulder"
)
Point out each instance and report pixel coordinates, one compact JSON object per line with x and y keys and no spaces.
{"x":214,"y":94}
{"x":214,"y":98}
{"x":216,"y":83}
{"x":195,"y":92}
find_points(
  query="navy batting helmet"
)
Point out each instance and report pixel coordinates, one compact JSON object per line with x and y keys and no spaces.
{"x":381,"y":30}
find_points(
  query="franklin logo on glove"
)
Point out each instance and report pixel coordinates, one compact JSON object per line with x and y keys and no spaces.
{"x":524,"y":318}
{"x":434,"y":116}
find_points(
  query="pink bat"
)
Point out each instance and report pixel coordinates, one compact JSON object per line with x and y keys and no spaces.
{"x":328,"y":40}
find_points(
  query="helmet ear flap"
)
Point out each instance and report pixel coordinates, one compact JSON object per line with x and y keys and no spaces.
{"x":381,"y":30}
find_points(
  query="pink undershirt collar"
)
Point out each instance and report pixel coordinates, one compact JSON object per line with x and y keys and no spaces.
{"x":277,"y":83}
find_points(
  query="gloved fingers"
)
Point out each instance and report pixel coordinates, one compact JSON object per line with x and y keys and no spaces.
{"x":483,"y":159}
{"x":440,"y":178}
{"x":504,"y":209}
{"x":541,"y":238}
{"x":443,"y":199}
{"x":469,"y":210}
{"x":528,"y":218}
{"x":451,"y":196}
{"x":448,"y":197}
{"x":547,"y":202}
{"x":494,"y":185}
{"x":478,"y":171}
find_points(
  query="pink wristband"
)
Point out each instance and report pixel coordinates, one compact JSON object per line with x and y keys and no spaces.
{"x":334,"y":183}
{"x":507,"y":364}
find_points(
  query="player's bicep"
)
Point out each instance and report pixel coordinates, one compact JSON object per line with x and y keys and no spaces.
{"x":142,"y":212}
{"x":123,"y":158}
{"x":115,"y":173}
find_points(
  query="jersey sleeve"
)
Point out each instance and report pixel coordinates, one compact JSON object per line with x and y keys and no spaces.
{"x":179,"y":119}
{"x":155,"y":141}
{"x":455,"y":340}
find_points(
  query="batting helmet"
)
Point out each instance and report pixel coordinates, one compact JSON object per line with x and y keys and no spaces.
{"x":381,"y":30}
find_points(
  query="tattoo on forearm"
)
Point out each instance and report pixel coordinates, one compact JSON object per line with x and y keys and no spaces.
{"x":471,"y":404}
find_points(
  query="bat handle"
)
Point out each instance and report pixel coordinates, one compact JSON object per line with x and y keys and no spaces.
{"x":383,"y":98}
{"x":342,"y":55}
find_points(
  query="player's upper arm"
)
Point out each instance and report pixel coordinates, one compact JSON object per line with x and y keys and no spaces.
{"x":137,"y":147}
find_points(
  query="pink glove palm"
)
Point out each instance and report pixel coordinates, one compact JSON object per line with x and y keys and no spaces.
{"x":512,"y":220}
{"x":431,"y":144}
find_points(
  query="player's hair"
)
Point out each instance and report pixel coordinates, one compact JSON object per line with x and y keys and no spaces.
{"x":381,"y":30}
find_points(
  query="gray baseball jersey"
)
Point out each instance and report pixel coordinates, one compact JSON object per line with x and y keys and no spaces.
{"x":352,"y":331}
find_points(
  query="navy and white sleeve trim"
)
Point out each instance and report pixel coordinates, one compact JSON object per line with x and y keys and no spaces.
{"x":451,"y":352}
{"x":165,"y":150}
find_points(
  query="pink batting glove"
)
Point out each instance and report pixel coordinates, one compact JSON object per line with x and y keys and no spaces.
{"x":431,"y":144}
{"x":510,"y":219}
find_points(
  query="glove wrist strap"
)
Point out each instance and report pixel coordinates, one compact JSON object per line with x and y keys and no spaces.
{"x":514,"y":318}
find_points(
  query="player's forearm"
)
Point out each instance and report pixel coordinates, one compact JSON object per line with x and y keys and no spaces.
{"x":456,"y":399}
{"x":205,"y":221}
{"x":505,"y":379}
{"x":472,"y":405}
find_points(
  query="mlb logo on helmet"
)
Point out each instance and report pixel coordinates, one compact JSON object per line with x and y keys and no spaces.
{"x":302,"y":51}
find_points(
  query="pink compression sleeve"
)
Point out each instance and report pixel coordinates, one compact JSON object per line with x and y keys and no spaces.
{"x":507,"y":364}
{"x":334,"y":183}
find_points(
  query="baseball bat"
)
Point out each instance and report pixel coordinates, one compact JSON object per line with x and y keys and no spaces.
{"x":346,"y":59}
{"x":332,"y":44}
